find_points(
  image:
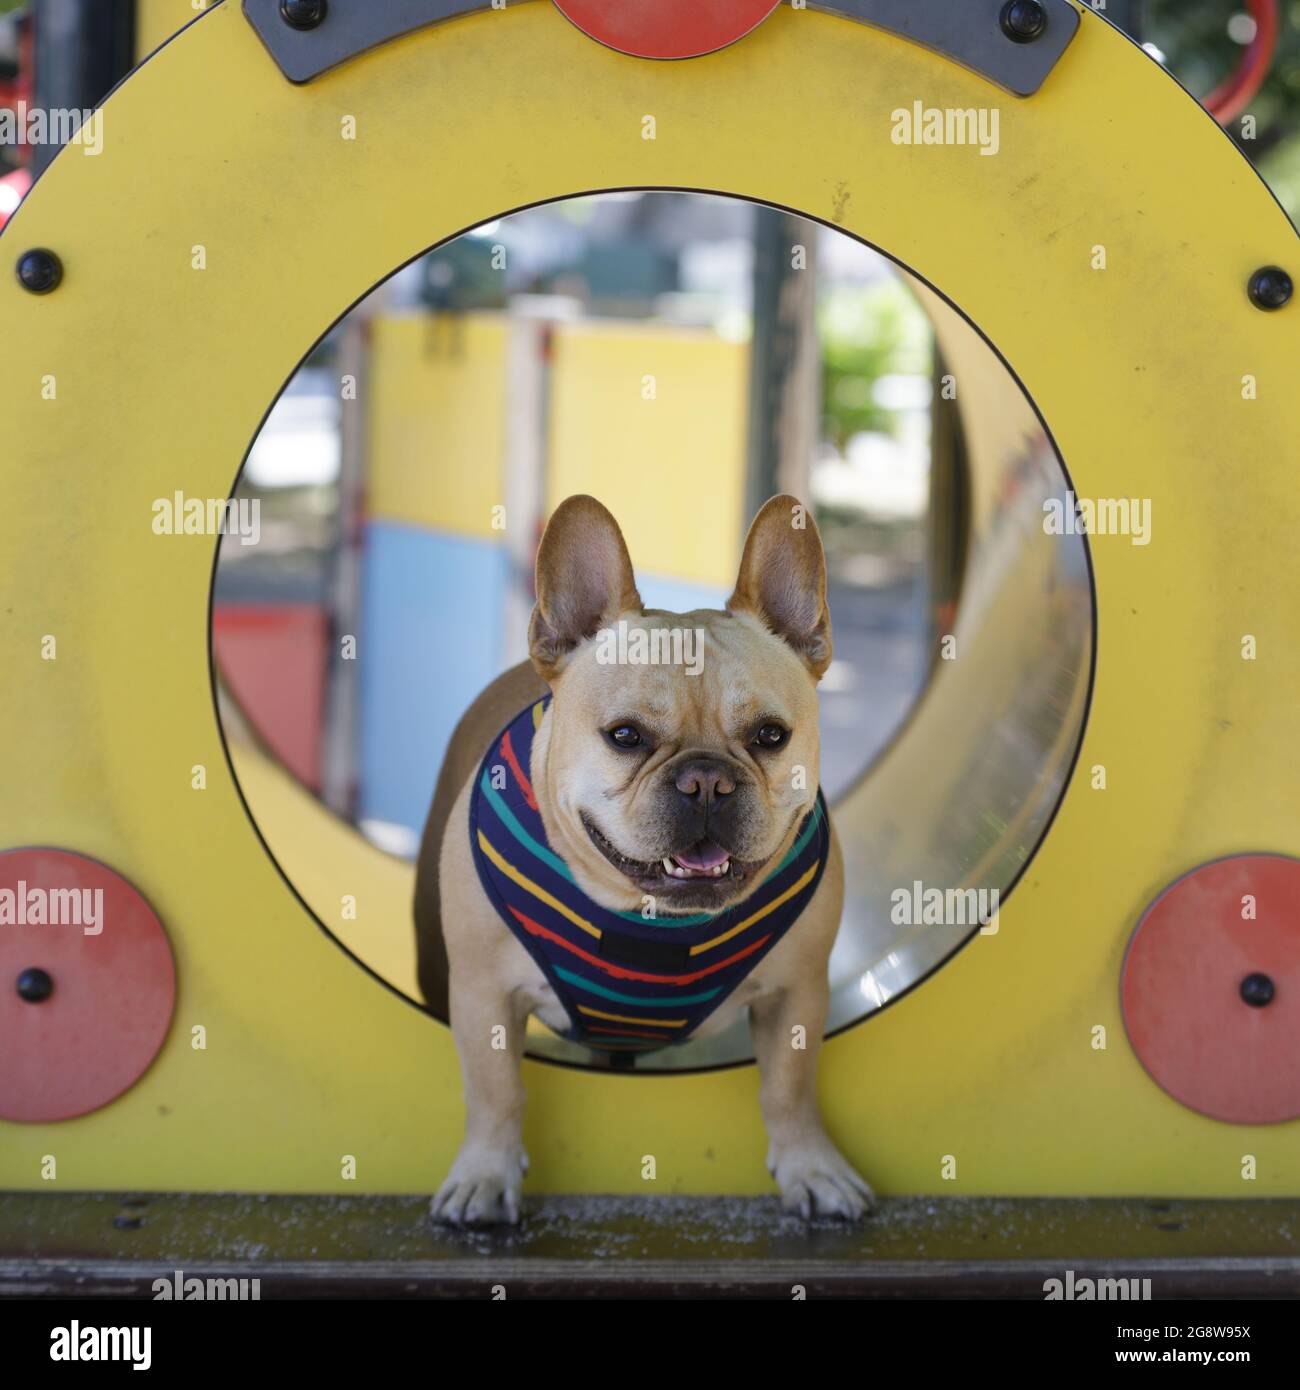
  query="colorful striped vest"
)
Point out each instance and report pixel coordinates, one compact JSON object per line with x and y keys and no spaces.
{"x":625,"y":981}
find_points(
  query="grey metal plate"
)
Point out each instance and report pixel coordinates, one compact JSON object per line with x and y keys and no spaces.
{"x":967,"y":31}
{"x":350,"y":28}
{"x":970,"y":33}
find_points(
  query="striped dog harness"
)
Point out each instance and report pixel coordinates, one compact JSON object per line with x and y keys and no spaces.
{"x":628,"y":981}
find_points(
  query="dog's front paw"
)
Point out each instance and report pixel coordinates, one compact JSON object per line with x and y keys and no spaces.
{"x":816,"y":1180}
{"x":482,"y":1189}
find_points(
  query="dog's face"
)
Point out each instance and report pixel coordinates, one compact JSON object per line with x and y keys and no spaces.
{"x":683,"y":748}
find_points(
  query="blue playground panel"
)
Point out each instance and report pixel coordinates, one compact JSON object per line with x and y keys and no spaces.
{"x":430,"y":641}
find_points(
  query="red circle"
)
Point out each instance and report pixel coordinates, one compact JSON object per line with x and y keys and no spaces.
{"x":666,"y":28}
{"x":114,"y":987}
{"x":1181,"y":989}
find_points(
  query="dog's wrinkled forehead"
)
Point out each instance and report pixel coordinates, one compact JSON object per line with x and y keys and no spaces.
{"x":700,"y":679}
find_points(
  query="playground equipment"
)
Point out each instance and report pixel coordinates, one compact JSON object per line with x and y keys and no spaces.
{"x":1118,"y":253}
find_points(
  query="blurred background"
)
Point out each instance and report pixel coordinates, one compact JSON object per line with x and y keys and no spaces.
{"x":682,"y":357}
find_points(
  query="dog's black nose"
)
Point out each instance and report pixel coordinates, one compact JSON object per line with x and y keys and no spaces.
{"x":704,"y":780}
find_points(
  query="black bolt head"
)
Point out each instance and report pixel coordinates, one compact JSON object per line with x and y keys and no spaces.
{"x":34,"y":985}
{"x":1023,"y":21}
{"x":39,"y":270}
{"x":1257,"y":990}
{"x":303,"y":14}
{"x":1270,"y":287}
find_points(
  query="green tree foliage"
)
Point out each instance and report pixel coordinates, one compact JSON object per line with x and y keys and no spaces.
{"x":867,"y":333}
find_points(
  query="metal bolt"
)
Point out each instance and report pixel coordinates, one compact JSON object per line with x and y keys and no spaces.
{"x":34,"y":985}
{"x":303,"y":14}
{"x":1023,"y":21}
{"x":1270,"y":287}
{"x":39,"y":270}
{"x":1257,"y":990}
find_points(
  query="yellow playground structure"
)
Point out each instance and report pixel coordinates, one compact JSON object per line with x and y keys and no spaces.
{"x":1118,"y":255}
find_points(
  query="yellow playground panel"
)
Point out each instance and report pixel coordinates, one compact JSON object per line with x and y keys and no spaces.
{"x":141,"y":375}
{"x":435,"y":422}
{"x":688,"y":442}
{"x":436,"y":434}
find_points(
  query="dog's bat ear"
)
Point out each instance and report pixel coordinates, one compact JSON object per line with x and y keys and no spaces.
{"x":584,"y":581}
{"x":782,"y":580}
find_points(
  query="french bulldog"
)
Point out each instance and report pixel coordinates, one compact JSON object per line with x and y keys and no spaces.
{"x":658,"y":793}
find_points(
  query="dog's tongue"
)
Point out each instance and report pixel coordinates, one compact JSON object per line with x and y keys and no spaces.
{"x":702,"y":857}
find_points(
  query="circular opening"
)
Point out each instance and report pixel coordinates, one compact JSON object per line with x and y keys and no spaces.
{"x":681,"y":356}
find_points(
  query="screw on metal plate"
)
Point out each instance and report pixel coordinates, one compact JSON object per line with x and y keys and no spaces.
{"x":34,"y":985}
{"x":1270,"y":288}
{"x":39,"y":270}
{"x":303,"y":14}
{"x":973,"y":33}
{"x":1257,"y":990}
{"x":1023,"y":21}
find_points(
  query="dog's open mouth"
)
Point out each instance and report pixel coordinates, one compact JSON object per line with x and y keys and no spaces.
{"x":705,"y":861}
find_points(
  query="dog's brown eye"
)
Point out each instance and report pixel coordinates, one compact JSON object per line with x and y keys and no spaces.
{"x":771,"y":736}
{"x":625,"y":736}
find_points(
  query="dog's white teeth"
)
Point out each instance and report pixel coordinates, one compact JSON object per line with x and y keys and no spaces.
{"x":677,"y":871}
